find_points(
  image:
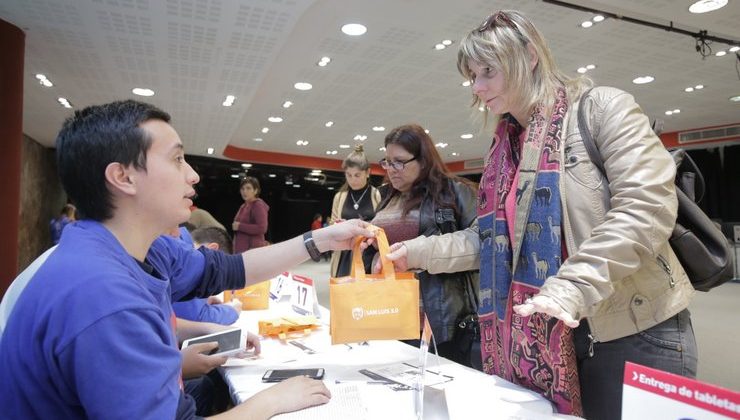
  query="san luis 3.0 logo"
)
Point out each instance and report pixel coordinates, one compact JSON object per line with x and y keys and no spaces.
{"x":359,"y":312}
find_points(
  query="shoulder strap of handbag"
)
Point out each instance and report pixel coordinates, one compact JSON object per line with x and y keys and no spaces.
{"x":588,"y":140}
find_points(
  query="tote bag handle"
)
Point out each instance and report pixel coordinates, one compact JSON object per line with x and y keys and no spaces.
{"x":358,"y":268}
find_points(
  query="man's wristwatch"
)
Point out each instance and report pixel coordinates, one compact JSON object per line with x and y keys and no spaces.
{"x":313,"y":251}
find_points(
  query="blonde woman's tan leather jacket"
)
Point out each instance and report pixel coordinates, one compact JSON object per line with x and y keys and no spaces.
{"x":621,"y":274}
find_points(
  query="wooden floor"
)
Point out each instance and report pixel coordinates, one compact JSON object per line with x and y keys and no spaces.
{"x":715,"y":316}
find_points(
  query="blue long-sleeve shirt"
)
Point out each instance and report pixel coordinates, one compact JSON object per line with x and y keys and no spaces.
{"x":91,"y":336}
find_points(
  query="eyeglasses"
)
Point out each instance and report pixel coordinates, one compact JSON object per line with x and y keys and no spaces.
{"x":395,"y":164}
{"x":500,"y":17}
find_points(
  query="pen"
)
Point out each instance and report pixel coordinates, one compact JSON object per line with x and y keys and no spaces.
{"x":339,"y":381}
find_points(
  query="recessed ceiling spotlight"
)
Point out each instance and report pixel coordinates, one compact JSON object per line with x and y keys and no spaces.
{"x":720,"y":53}
{"x":275,"y":119}
{"x":641,"y":80}
{"x":236,"y":176}
{"x":689,"y":89}
{"x":142,"y":91}
{"x":704,"y":6}
{"x":598,"y":18}
{"x":210,"y":150}
{"x":330,"y":188}
{"x":329,"y":123}
{"x":296,"y":185}
{"x":587,"y":24}
{"x":43,"y":81}
{"x":354,"y":29}
{"x":582,"y":70}
{"x":331,"y":152}
{"x":697,"y":87}
{"x":265,"y":129}
{"x":441,"y":145}
{"x":324,"y":61}
{"x":676,"y":111}
{"x":735,"y":98}
{"x":466,"y":136}
{"x":734,"y":48}
{"x":440,"y":47}
{"x":360,"y":137}
{"x":303,"y":86}
{"x":466,"y":83}
{"x":302,"y":143}
{"x":287,"y":104}
{"x":454,"y":154}
{"x":447,"y":42}
{"x":382,"y":149}
{"x":426,"y":131}
{"x":64,"y":102}
{"x":316,"y":171}
{"x":246,"y":165}
{"x":590,"y":66}
{"x":669,"y":112}
{"x":378,"y":128}
{"x":229,"y":100}
{"x":257,"y":139}
{"x":344,"y":146}
{"x":481,"y":108}
{"x":271,"y":175}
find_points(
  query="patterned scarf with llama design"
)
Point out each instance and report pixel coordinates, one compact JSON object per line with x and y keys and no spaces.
{"x":536,"y":352}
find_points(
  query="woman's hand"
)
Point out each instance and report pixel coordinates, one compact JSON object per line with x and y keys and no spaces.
{"x":397,"y":255}
{"x":545,"y":305}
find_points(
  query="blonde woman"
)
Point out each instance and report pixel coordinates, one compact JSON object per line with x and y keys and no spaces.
{"x":357,"y":199}
{"x":577,"y":275}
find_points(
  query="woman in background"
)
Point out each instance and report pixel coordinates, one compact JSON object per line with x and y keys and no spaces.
{"x":57,"y":224}
{"x":357,"y":199}
{"x":250,"y":222}
{"x":425,"y":199}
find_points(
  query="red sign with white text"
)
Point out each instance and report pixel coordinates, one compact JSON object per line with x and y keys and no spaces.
{"x":661,"y":395}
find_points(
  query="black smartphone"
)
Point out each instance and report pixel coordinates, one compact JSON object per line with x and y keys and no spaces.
{"x":277,"y":375}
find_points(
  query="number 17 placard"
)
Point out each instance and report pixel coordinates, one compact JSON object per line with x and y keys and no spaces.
{"x":303,"y":296}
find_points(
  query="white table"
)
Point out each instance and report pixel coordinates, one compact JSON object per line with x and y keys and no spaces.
{"x":469,"y":394}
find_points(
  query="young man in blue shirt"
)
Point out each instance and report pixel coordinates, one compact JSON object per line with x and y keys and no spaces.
{"x":92,"y":336}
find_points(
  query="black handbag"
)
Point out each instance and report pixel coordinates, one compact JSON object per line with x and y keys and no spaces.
{"x":701,"y":247}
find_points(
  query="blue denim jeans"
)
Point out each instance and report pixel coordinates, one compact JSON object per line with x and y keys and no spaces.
{"x":669,"y":346}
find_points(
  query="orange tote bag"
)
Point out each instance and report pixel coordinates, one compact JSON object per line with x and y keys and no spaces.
{"x":382,"y":306}
{"x":254,"y":297}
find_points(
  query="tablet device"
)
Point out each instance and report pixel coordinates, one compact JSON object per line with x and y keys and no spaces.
{"x":277,"y":375}
{"x":230,"y":342}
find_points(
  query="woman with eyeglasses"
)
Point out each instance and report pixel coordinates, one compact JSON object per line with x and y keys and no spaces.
{"x":425,"y":199}
{"x":577,"y":275}
{"x":357,"y":199}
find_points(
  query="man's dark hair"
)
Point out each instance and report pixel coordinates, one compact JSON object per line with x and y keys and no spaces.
{"x":92,"y":139}
{"x":215,"y":234}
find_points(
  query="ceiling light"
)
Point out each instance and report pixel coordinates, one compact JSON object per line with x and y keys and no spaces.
{"x":315,"y":171}
{"x":382,"y":149}
{"x":669,"y":112}
{"x":441,"y":145}
{"x":598,"y":18}
{"x":331,"y":152}
{"x":720,"y":53}
{"x":235,"y":175}
{"x":582,"y":70}
{"x":64,"y":102}
{"x":481,"y":108}
{"x":257,"y":139}
{"x":302,"y":143}
{"x":734,"y":48}
{"x":344,"y":146}
{"x":229,"y":100}
{"x":697,"y":87}
{"x":587,"y":24}
{"x":590,"y":67}
{"x":322,"y":63}
{"x":466,"y":83}
{"x":447,"y":42}
{"x":466,"y":136}
{"x":275,"y":119}
{"x":378,"y":128}
{"x":454,"y":154}
{"x":642,"y":80}
{"x":142,"y":92}
{"x":303,"y":86}
{"x":43,"y":81}
{"x":265,"y":129}
{"x":426,"y":131}
{"x":704,"y":6}
{"x":676,"y":111}
{"x":689,"y":89}
{"x":287,"y":104}
{"x":735,"y":98}
{"x":329,"y":123}
{"x":354,"y":29}
{"x":296,"y":185}
{"x":330,"y":188}
{"x":246,"y":165}
{"x":440,"y":47}
{"x":210,"y":150}
{"x":271,"y":175}
{"x":360,"y":137}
